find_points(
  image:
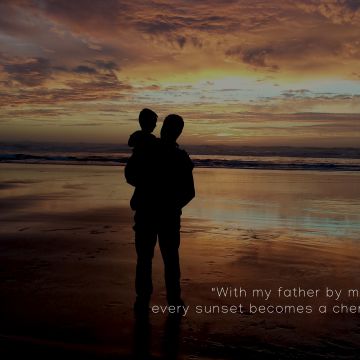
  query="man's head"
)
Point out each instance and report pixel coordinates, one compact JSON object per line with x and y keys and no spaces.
{"x":147,"y":120}
{"x":172,"y":128}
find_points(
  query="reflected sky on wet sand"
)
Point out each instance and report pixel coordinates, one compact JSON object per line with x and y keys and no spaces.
{"x":301,"y":201}
{"x":307,"y":202}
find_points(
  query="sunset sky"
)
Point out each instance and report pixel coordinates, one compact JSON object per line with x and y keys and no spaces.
{"x":244,"y":72}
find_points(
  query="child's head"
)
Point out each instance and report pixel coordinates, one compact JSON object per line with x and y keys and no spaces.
{"x":147,"y":120}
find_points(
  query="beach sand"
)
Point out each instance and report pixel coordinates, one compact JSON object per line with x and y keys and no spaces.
{"x":67,"y":265}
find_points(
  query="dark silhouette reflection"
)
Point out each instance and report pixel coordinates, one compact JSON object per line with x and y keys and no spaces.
{"x":170,"y":340}
{"x":142,"y":338}
{"x":162,"y":175}
{"x":171,"y":337}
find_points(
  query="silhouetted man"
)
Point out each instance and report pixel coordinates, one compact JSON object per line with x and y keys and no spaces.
{"x":163,"y":186}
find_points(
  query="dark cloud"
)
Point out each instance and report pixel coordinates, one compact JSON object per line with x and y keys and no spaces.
{"x":35,"y":113}
{"x":32,"y":72}
{"x":107,"y":65}
{"x":160,"y":24}
{"x":336,"y":11}
{"x":94,"y":15}
{"x":153,"y":87}
{"x":83,"y":69}
{"x":99,"y":67}
{"x":354,"y":5}
{"x":108,"y":88}
{"x":296,"y":93}
{"x":257,"y":57}
{"x":156,"y":27}
{"x":196,"y":42}
{"x":301,"y":53}
{"x":181,"y":40}
{"x":13,"y":21}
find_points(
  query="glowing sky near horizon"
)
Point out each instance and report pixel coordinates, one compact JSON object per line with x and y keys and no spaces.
{"x":240,"y":72}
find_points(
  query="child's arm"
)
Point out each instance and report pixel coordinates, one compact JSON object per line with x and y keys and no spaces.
{"x":135,"y":138}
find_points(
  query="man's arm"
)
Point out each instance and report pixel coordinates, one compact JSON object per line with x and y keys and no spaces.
{"x":189,"y":191}
{"x":131,"y":171}
{"x":187,"y":181}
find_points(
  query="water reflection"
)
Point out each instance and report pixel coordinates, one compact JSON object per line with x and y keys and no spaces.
{"x":145,"y":338}
{"x":302,"y":201}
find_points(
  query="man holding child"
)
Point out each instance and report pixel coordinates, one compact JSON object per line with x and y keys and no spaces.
{"x":161,"y":173}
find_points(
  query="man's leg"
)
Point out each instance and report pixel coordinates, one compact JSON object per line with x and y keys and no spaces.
{"x":145,"y":241}
{"x":169,"y":241}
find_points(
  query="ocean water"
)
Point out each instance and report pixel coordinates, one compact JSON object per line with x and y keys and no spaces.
{"x":114,"y":158}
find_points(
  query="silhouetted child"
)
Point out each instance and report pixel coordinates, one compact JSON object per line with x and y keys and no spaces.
{"x":144,"y":143}
{"x":142,"y":139}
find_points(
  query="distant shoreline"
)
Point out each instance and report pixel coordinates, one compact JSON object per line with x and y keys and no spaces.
{"x":225,"y":162}
{"x":213,"y":150}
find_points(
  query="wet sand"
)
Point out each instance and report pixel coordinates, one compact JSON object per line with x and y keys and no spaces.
{"x":67,"y":265}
